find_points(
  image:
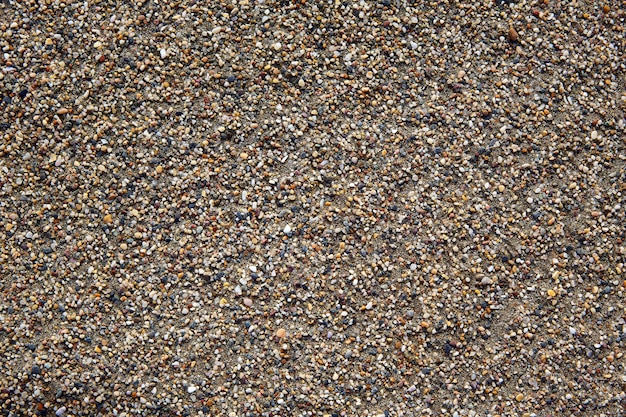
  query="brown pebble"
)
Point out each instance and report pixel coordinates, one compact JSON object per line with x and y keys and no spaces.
{"x":108,"y":219}
{"x":281,"y":333}
{"x":513,"y":36}
{"x":159,"y":169}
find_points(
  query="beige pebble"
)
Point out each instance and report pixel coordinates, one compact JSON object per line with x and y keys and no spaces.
{"x":159,"y":169}
{"x":281,"y":333}
{"x":108,"y":219}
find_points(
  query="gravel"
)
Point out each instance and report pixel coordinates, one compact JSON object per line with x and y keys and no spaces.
{"x":312,"y":208}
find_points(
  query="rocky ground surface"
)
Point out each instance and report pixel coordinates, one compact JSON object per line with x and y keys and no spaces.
{"x":312,"y":208}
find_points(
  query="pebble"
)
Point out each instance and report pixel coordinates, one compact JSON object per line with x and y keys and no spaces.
{"x":411,"y":192}
{"x":513,"y":35}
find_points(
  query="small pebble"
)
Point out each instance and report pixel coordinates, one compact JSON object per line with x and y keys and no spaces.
{"x":513,"y":36}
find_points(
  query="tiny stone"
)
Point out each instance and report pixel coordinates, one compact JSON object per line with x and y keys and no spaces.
{"x":247,"y":302}
{"x":108,"y":219}
{"x":281,"y":333}
{"x":552,"y":293}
